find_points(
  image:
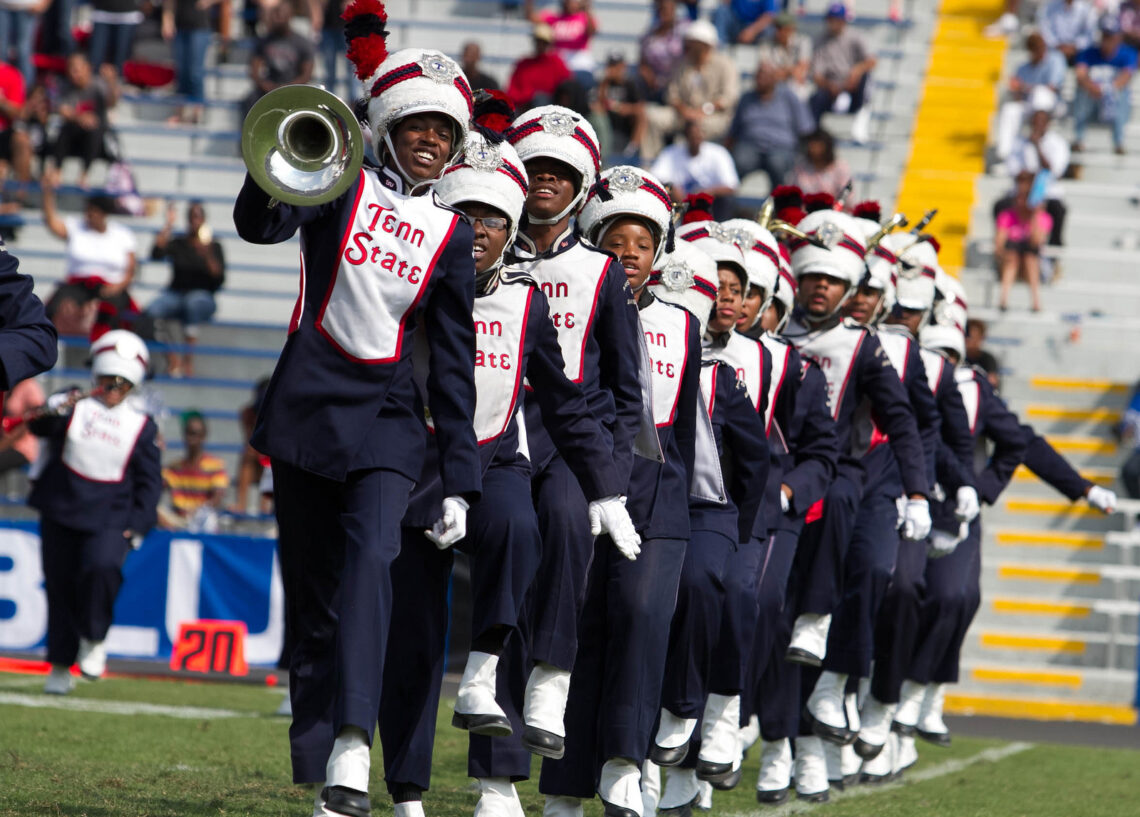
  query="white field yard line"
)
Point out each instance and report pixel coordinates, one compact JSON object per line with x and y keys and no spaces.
{"x":120,"y":707}
{"x":909,"y":778}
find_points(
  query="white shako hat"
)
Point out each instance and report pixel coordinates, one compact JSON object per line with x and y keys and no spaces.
{"x":716,"y":240}
{"x":487,"y":173}
{"x":559,"y":133}
{"x":629,"y":191}
{"x":944,"y":336}
{"x":785,"y":290}
{"x":687,"y":277}
{"x":407,"y":82}
{"x":761,"y":253}
{"x":950,"y":305}
{"x":120,"y":353}
{"x":917,"y":273}
{"x":843,"y":258}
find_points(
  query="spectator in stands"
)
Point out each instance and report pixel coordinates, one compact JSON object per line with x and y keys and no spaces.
{"x":469,"y":60}
{"x":744,"y":21}
{"x":83,"y":107}
{"x":197,"y":483}
{"x":1130,"y":22}
{"x":281,"y":57}
{"x":976,"y":355}
{"x":1104,"y":73}
{"x":573,"y":27}
{"x":705,"y":87}
{"x":30,"y":133}
{"x":11,"y":110}
{"x":20,"y":448}
{"x":535,"y":78}
{"x":187,"y":24}
{"x":100,"y":261}
{"x":789,"y":52}
{"x":1007,"y":24}
{"x":841,"y":69}
{"x":621,"y":100}
{"x":199,"y":270}
{"x":19,"y":20}
{"x":113,"y":24}
{"x":1068,"y":26}
{"x":661,"y":49}
{"x":818,"y":170}
{"x":250,"y":466}
{"x":696,"y":165}
{"x":1044,"y":153}
{"x":1021,"y":232}
{"x":332,"y":45}
{"x":1044,"y":69}
{"x":766,"y":129}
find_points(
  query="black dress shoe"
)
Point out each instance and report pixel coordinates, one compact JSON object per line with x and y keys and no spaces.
{"x":902,"y":729}
{"x":851,"y":779}
{"x":668,"y":757}
{"x":343,"y":800}
{"x":937,"y":738}
{"x":709,"y":771}
{"x":838,"y":785}
{"x":612,"y":810}
{"x":685,"y":810}
{"x":774,"y":797}
{"x":873,"y":779}
{"x":730,"y":781}
{"x":867,"y":751}
{"x":834,"y":734}
{"x":818,"y":797}
{"x":797,"y":656}
{"x":540,"y":742}
{"x":493,"y":726}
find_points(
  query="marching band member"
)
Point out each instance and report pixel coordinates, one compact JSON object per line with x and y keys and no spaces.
{"x":97,"y":495}
{"x":717,"y":533}
{"x":27,"y":338}
{"x":342,"y":420}
{"x":860,"y":376}
{"x":597,"y":325}
{"x":515,"y":338}
{"x":615,"y":691}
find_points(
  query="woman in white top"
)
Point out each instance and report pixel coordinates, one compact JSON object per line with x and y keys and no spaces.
{"x":100,"y":263}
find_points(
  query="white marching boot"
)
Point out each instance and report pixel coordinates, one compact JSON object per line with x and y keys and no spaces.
{"x":60,"y":681}
{"x":909,"y":708}
{"x":620,"y":788}
{"x":475,"y":707}
{"x":682,"y":792}
{"x":931,"y":727}
{"x":346,"y":774}
{"x":719,"y":758}
{"x":775,"y":780}
{"x":672,"y":741}
{"x":704,"y":801}
{"x":875,"y":726}
{"x":556,"y":806}
{"x":749,"y":734}
{"x":811,"y":770}
{"x":498,"y":798}
{"x":881,"y":768}
{"x":92,"y":659}
{"x":907,"y":754}
{"x":412,"y":808}
{"x":544,"y":708}
{"x":809,"y":639}
{"x":650,"y":787}
{"x":826,"y":709}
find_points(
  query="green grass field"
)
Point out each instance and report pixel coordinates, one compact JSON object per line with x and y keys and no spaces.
{"x":227,"y":754}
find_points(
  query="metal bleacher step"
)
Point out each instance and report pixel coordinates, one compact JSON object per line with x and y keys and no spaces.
{"x":1068,"y":683}
{"x":1036,"y":707}
{"x":1052,"y":648}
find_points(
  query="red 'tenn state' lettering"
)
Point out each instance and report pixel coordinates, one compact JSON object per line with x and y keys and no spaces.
{"x":493,"y":360}
{"x":662,"y":368}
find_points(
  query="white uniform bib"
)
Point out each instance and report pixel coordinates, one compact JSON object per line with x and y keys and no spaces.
{"x":934,"y":364}
{"x":971,"y":395}
{"x":667,"y":340}
{"x":388,"y":253}
{"x":747,"y":357}
{"x":834,"y":351}
{"x":500,"y":334}
{"x":781,"y":352}
{"x":100,"y":440}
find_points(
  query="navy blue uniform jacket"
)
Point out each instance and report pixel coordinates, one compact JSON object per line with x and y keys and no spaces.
{"x":810,"y":465}
{"x":27,"y":337}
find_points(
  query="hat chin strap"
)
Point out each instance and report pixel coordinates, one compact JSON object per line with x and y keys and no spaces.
{"x":414,"y":184}
{"x":570,"y":208}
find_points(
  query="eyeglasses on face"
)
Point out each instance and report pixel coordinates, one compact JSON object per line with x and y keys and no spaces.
{"x":492,"y":223}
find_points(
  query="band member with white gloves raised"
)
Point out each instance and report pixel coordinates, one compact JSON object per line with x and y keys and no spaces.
{"x":515,"y":338}
{"x":342,"y":419}
{"x":860,"y":380}
{"x":717,"y":531}
{"x":615,"y":692}
{"x":593,"y":311}
{"x":97,"y":495}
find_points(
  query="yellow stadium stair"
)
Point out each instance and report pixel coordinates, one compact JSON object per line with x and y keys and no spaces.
{"x":947,"y":150}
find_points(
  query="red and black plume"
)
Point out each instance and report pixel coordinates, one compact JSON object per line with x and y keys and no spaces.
{"x":494,"y":113}
{"x":366,"y":34}
{"x":819,"y":201}
{"x":698,"y":207}
{"x":787,"y":195}
{"x":869,"y":210}
{"x":932,"y":241}
{"x":790,"y":215}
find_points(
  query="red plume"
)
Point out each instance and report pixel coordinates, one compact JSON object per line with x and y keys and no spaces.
{"x":869,"y":210}
{"x":786,"y":195}
{"x":494,"y":113}
{"x":699,"y":208}
{"x":790,"y":215}
{"x":366,"y":35}
{"x":933,"y":242}
{"x":819,"y":201}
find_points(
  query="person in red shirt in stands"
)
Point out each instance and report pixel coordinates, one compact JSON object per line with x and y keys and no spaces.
{"x":535,"y":78}
{"x":14,"y":144}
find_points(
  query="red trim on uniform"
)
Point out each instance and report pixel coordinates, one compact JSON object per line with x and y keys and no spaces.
{"x":518,"y":371}
{"x":590,"y":323}
{"x":299,"y":307}
{"x":847,"y":378}
{"x":712,"y":388}
{"x":776,"y":393}
{"x":680,"y":373}
{"x":336,"y":266}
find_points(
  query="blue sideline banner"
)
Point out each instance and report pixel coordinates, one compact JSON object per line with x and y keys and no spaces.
{"x":174,"y":577}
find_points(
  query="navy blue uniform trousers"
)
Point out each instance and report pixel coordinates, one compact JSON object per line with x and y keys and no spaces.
{"x":772,"y":624}
{"x":738,"y":625}
{"x":953,"y":594}
{"x":823,"y":547}
{"x":896,"y":628}
{"x":503,"y":542}
{"x":615,"y":691}
{"x":337,"y":542}
{"x":82,"y":577}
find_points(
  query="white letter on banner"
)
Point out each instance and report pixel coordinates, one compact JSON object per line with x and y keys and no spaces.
{"x":183,"y":575}
{"x":265,"y":647}
{"x":23,"y":584}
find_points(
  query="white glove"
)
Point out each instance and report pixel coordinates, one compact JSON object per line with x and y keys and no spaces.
{"x":610,"y":516}
{"x":968,"y":508}
{"x":1102,"y":499}
{"x":451,"y":525}
{"x":916,"y":520}
{"x":943,"y":543}
{"x":900,"y":510}
{"x":785,"y":503}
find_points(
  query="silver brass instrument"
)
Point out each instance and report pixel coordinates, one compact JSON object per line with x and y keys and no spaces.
{"x":302,"y":145}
